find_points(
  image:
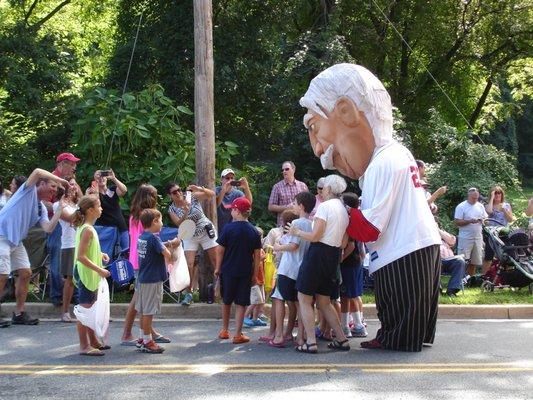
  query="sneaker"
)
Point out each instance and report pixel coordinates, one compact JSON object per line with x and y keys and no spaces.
{"x":187,"y":300}
{"x":258,"y":322}
{"x":264,"y":318}
{"x":24,"y":319}
{"x":240,"y":339}
{"x":151,"y":347}
{"x":4,"y":323}
{"x":223,"y":334}
{"x":346,"y":331}
{"x":248,"y":322}
{"x":359,"y":332}
{"x":139,"y":343}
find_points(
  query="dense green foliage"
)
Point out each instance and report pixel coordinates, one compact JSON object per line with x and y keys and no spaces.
{"x":63,"y":63}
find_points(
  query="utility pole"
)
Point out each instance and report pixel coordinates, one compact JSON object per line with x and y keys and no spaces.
{"x":204,"y":121}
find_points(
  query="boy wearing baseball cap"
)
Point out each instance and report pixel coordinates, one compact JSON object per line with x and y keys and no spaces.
{"x":239,"y":257}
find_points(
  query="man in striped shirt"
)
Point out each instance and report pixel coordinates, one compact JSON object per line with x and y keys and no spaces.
{"x":283,"y":192}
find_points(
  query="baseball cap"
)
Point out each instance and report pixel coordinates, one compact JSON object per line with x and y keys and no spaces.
{"x":242,"y":204}
{"x":67,"y":156}
{"x":473,"y":189}
{"x":227,"y":171}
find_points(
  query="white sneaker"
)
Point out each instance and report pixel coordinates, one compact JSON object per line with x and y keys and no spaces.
{"x":360,"y":332}
{"x":347,"y":331}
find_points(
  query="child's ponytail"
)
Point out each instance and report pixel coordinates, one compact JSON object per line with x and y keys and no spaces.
{"x":85,"y":203}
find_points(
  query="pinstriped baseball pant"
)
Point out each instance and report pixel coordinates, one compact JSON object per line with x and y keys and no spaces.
{"x":407,"y":295}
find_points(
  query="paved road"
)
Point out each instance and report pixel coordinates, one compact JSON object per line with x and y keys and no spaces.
{"x":470,"y":360}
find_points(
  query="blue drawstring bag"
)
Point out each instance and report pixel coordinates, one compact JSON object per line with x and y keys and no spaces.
{"x":121,"y":272}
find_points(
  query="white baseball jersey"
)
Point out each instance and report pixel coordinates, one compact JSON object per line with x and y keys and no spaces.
{"x":393,"y":201}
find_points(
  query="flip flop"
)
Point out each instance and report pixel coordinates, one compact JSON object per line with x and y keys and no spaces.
{"x":265,"y":339}
{"x":132,"y":342}
{"x":338,"y":345}
{"x":161,"y":339}
{"x":104,"y":347}
{"x":92,"y":353}
{"x":271,"y":343}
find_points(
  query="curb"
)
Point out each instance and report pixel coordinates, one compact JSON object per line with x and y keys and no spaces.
{"x":212,"y":311}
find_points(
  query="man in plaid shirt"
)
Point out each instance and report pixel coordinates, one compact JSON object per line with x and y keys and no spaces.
{"x":283,"y":192}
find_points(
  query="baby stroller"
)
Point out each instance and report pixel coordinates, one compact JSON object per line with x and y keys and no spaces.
{"x":513,"y":261}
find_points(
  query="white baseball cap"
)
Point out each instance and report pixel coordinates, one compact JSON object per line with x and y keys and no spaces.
{"x":227,"y":171}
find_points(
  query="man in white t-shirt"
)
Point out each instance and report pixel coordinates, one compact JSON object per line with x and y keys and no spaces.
{"x":349,"y":120}
{"x":468,"y":217}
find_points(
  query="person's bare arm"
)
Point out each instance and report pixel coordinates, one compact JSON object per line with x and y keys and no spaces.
{"x":201,"y":192}
{"x":39,"y":173}
{"x":439,"y":192}
{"x":319,"y":228}
{"x":49,"y":226}
{"x":220,"y":256}
{"x":177,"y":220}
{"x":257,"y":265}
{"x":448,"y":238}
{"x":285,"y":247}
{"x":85,"y":241}
{"x":350,"y":247}
{"x":121,"y":188}
{"x":246,"y":189}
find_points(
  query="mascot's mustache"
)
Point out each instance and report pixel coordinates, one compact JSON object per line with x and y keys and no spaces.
{"x":326,"y":159}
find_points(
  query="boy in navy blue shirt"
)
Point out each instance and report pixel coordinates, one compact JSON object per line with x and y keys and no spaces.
{"x":153,"y":260}
{"x":238,"y":260}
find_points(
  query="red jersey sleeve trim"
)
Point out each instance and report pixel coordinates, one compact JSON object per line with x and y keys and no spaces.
{"x":360,"y":228}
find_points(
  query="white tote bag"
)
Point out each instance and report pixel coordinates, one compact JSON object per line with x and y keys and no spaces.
{"x":97,"y":316}
{"x":178,"y":271}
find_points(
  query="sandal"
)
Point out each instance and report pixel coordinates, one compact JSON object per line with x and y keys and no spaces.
{"x":104,"y":347}
{"x":161,"y":339}
{"x":132,"y":342}
{"x":338,"y":345}
{"x":305,"y":348}
{"x":271,"y":343}
{"x":265,"y":339}
{"x":92,"y":353}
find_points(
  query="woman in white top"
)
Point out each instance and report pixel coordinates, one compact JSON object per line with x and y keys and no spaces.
{"x":318,"y":272}
{"x":68,"y":239}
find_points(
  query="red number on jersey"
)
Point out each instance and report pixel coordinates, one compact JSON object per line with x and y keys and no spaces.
{"x":414,"y":176}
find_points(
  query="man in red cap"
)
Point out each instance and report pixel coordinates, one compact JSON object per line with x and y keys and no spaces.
{"x":239,"y":255}
{"x":65,"y":169}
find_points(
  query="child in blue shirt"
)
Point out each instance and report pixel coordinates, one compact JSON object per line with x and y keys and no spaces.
{"x":153,"y":260}
{"x":239,"y":257}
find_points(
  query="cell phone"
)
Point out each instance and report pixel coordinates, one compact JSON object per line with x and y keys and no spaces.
{"x":235,"y":183}
{"x":105,"y":173}
{"x":188,"y":196}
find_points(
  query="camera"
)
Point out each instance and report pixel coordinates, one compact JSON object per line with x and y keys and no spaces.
{"x":105,"y":173}
{"x":235,"y":183}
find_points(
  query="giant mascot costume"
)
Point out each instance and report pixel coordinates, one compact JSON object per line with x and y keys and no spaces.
{"x":349,"y":120}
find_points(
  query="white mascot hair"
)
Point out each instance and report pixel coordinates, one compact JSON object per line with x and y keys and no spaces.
{"x":362,"y":87}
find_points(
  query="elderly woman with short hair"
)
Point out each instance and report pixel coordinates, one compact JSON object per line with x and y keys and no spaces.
{"x":318,"y":272}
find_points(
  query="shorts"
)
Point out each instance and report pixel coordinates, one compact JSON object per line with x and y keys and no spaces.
{"x":86,"y":296}
{"x":287,"y":288}
{"x":472,"y":249}
{"x":352,"y":282}
{"x":203,"y":240}
{"x":66,"y":267}
{"x":336,"y":292}
{"x":235,"y":290}
{"x":257,"y":295}
{"x":149,"y":298}
{"x":318,"y":271}
{"x":12,"y":258}
{"x":136,"y":277}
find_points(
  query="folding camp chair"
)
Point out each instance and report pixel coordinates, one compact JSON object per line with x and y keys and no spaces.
{"x":108,"y":237}
{"x":35,"y":245}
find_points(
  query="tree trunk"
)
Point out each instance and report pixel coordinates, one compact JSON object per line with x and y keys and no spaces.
{"x":480,"y":103}
{"x":204,"y":124}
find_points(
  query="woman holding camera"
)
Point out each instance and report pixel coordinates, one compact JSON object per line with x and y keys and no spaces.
{"x":186,"y":205}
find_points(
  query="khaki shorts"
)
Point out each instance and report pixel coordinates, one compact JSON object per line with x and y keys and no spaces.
{"x":472,"y":249}
{"x":203,"y":240}
{"x":149,"y":298}
{"x":12,"y":258}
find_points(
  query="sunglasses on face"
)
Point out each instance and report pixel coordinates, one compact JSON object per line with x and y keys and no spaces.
{"x":175,"y":192}
{"x":498,"y":192}
{"x":285,"y":169}
{"x":319,"y":188}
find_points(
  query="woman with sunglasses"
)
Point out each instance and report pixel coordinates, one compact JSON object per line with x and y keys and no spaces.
{"x":502,"y":214}
{"x":205,"y":235}
{"x":319,"y":198}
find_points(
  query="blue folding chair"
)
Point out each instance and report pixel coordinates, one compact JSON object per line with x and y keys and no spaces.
{"x":169,"y":233}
